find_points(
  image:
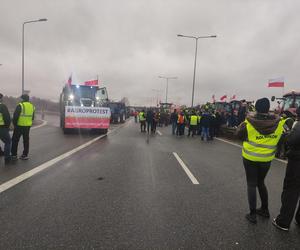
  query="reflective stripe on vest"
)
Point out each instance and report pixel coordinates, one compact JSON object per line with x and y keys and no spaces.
{"x":194,"y":120}
{"x":261,"y":148}
{"x":25,"y":118}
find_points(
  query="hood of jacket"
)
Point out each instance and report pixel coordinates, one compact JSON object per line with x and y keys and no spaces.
{"x":265,"y":124}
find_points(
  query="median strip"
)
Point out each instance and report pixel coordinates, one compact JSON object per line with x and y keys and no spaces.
{"x":186,"y":169}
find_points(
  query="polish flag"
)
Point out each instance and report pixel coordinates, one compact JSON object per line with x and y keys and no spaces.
{"x":223,"y":97}
{"x":70,"y":80}
{"x":276,"y":83}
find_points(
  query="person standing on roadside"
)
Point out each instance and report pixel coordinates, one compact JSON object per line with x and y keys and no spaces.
{"x":22,"y":120}
{"x":142,"y":118}
{"x":291,"y":185}
{"x":193,"y":124}
{"x":205,"y":124}
{"x":260,"y":133}
{"x":180,"y":124}
{"x":4,"y":130}
{"x":149,"y":119}
{"x":174,"y":118}
{"x":155,"y":121}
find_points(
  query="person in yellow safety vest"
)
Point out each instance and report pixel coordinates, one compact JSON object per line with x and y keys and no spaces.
{"x":142,"y":118}
{"x":22,"y":120}
{"x":193,"y":124}
{"x":260,"y":133}
{"x":4,"y":130}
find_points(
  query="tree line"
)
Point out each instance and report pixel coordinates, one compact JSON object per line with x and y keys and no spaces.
{"x":40,"y":104}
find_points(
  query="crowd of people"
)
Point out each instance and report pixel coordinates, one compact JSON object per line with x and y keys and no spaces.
{"x":262,"y":133}
{"x":190,"y":122}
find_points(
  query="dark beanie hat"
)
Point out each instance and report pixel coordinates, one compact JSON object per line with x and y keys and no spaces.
{"x":262,"y":105}
{"x":25,"y":97}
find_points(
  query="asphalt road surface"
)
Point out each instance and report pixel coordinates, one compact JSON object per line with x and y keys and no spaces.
{"x":131,"y":190}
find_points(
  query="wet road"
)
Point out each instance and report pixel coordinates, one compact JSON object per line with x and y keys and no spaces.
{"x":129,"y":191}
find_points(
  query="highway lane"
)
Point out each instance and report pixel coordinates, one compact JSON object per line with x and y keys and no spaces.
{"x":46,"y":143}
{"x":129,"y":192}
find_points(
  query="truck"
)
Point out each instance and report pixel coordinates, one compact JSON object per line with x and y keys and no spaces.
{"x":84,"y":107}
{"x":222,"y":107}
{"x":288,"y":104}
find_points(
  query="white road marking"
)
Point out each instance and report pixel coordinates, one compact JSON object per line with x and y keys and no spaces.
{"x":44,"y":123}
{"x":9,"y":184}
{"x":186,"y":169}
{"x":239,"y":146}
{"x":159,"y":132}
{"x":228,"y":142}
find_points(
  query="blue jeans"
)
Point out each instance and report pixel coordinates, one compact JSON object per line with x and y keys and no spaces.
{"x":205,"y":133}
{"x":5,"y":137}
{"x":174,"y":126}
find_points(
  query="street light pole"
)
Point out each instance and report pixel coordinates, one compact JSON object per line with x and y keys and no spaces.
{"x":23,"y":36}
{"x":195,"y":62}
{"x":167,"y":87}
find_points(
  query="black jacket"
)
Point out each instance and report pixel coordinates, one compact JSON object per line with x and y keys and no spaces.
{"x":293,"y":142}
{"x":150,"y":116}
{"x":205,"y":120}
{"x":174,"y":117}
{"x":6,"y":116}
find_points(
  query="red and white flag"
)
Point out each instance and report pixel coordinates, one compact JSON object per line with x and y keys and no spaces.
{"x":70,"y":80}
{"x":233,"y":97}
{"x":223,"y":97}
{"x":276,"y":83}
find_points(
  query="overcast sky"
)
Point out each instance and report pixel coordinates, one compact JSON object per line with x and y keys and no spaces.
{"x":129,"y":43}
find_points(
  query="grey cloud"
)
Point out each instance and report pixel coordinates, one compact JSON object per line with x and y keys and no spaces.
{"x":129,"y":43}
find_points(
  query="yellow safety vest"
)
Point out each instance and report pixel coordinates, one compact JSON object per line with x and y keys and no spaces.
{"x":26,"y":115}
{"x":261,"y":148}
{"x":142,"y":116}
{"x":1,"y":119}
{"x":194,"y":120}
